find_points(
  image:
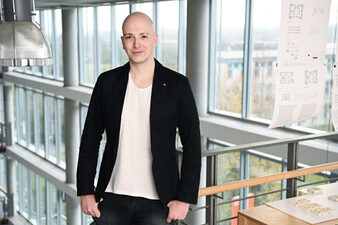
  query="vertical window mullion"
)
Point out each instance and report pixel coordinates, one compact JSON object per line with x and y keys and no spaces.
{"x":56,"y":71}
{"x":36,"y":122}
{"x":58,"y":131}
{"x":247,"y":53}
{"x":38,"y":199}
{"x":59,"y":210}
{"x":182,"y":37}
{"x":28,"y":130}
{"x":21,"y":207}
{"x":17,"y":98}
{"x":132,"y":8}
{"x":30,"y":193}
{"x":244,"y":171}
{"x":48,"y":205}
{"x":156,"y":28}
{"x":46,"y":125}
{"x":212,"y":53}
{"x":43,"y":24}
{"x":81,"y":48}
{"x":97,"y":57}
{"x":114,"y":55}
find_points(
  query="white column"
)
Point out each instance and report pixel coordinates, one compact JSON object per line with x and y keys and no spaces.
{"x":72,"y":112}
{"x":197,"y":73}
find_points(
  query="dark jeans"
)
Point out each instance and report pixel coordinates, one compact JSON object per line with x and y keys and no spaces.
{"x":127,"y":210}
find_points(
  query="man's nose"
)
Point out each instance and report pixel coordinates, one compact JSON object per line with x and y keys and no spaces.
{"x":136,"y":43}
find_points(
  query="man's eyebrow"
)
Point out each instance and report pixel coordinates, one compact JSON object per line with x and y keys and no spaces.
{"x":139,"y":34}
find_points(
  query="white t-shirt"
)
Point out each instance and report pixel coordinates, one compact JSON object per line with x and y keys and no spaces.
{"x":132,"y":174}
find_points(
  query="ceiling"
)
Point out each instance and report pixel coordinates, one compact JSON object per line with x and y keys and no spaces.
{"x":45,"y":4}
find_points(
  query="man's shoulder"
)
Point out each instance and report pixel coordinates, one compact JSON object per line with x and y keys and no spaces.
{"x":172,"y":75}
{"x":114,"y":73}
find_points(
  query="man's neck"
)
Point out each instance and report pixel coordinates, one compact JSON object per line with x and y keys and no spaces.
{"x":143,"y":70}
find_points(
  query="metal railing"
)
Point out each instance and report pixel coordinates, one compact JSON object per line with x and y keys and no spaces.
{"x":290,"y":175}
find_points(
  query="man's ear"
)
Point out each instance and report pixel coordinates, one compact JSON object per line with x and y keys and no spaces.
{"x":155,"y":40}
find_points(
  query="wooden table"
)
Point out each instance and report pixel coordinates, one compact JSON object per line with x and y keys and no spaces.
{"x":266,"y":215}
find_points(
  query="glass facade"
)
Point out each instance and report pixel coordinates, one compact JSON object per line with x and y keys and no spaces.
{"x":243,"y":46}
{"x":40,"y":124}
{"x":38,"y":200}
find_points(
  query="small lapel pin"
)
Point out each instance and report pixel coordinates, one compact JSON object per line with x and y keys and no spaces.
{"x":164,"y":84}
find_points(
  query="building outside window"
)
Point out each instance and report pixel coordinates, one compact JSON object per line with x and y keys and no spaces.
{"x":40,"y":124}
{"x":244,"y":44}
{"x":39,"y":201}
{"x":227,"y":58}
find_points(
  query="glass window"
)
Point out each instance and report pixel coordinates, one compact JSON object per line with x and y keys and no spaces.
{"x":3,"y":174}
{"x":21,"y":115}
{"x":61,"y":149}
{"x":146,"y":8}
{"x":87,"y":49}
{"x":227,"y":55}
{"x":121,"y":12}
{"x":47,"y":27}
{"x":228,"y":171}
{"x":33,"y":202}
{"x":258,"y":167}
{"x":30,"y":104}
{"x":265,"y":33}
{"x":104,"y":38}
{"x":50,"y":122}
{"x":42,"y":201}
{"x":40,"y":123}
{"x":58,"y":44}
{"x":25,"y":192}
{"x":168,"y":27}
{"x":84,"y":110}
{"x":53,"y":195}
{"x":323,"y":120}
{"x":2,"y":107}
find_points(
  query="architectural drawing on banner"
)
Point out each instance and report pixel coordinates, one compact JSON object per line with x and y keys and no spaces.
{"x":286,"y":77}
{"x":299,"y":93}
{"x":296,"y":11}
{"x":303,"y":31}
{"x":300,"y":75}
{"x":311,"y":77}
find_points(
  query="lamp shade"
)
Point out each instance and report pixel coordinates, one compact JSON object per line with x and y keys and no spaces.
{"x":23,"y":44}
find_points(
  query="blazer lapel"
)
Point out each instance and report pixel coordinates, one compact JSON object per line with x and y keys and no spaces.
{"x":159,"y":84}
{"x":119,"y":90}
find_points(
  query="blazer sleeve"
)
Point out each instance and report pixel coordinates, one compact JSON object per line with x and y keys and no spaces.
{"x":90,"y":142}
{"x":189,"y":130}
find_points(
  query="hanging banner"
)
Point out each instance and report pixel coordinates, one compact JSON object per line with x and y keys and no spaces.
{"x":303,"y":31}
{"x":300,"y":74}
{"x":299,"y":93}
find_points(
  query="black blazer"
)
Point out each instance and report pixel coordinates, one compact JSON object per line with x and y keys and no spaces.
{"x":172,"y":105}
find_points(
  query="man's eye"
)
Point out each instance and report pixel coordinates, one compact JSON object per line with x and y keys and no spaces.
{"x":127,"y":37}
{"x":144,"y":36}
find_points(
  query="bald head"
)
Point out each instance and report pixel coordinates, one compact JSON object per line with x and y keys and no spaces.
{"x":137,"y":17}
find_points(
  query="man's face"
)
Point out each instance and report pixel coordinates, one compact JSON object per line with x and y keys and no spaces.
{"x":139,"y":39}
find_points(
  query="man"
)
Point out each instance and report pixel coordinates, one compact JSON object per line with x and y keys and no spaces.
{"x":140,"y":105}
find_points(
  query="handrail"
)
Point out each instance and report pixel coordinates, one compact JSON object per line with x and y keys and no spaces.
{"x":3,"y":191}
{"x":263,"y":144}
{"x":266,"y":179}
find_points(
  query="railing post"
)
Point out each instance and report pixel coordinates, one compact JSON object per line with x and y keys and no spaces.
{"x":210,"y":199}
{"x":292,"y":164}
